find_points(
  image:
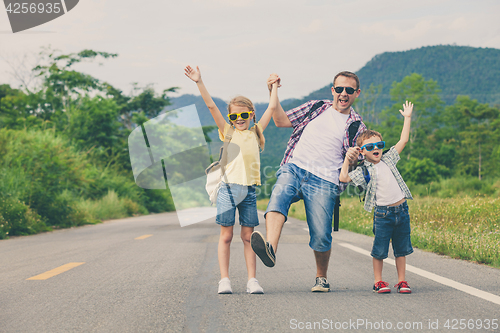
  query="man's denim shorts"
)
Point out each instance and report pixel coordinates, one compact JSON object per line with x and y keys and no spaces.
{"x":319,"y":195}
{"x":391,"y":222}
{"x":232,"y":196}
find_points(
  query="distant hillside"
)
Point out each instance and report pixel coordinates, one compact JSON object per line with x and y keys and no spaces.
{"x":205,"y":116}
{"x":459,"y":70}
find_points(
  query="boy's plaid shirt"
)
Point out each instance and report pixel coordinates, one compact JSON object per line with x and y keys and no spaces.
{"x":390,"y":158}
{"x":298,"y":118}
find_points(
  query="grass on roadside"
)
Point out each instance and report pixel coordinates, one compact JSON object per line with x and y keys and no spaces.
{"x":464,"y":228}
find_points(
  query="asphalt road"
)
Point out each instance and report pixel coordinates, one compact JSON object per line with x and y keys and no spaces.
{"x":147,"y":274}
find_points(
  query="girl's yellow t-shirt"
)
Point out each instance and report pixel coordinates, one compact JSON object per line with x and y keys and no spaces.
{"x":243,"y":157}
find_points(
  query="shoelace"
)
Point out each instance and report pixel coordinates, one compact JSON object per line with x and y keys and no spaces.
{"x":402,"y":284}
{"x":322,"y":281}
{"x":381,"y":284}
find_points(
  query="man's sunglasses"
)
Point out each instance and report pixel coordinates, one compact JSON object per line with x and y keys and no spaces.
{"x":371,"y":146}
{"x":348,"y":90}
{"x":243,"y":115}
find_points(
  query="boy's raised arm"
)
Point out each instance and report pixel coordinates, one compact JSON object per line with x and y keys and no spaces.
{"x":405,"y":133}
{"x":195,"y":75}
{"x":271,"y":109}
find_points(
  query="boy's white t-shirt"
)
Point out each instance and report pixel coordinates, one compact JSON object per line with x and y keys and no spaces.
{"x":319,"y":149}
{"x":388,"y":190}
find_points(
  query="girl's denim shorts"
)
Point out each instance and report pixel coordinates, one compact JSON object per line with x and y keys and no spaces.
{"x":232,"y":196}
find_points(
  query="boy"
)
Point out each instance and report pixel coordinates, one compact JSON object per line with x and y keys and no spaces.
{"x":387,"y":192}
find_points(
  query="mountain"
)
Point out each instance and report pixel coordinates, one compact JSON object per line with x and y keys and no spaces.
{"x":204,"y":113}
{"x":458,"y":70}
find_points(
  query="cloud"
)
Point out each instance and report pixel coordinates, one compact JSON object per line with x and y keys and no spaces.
{"x":315,"y":26}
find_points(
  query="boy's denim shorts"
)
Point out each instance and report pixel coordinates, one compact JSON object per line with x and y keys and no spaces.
{"x":232,"y":196}
{"x":319,"y":195}
{"x":391,"y":222}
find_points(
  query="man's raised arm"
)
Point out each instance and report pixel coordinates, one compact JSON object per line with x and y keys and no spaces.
{"x":279,"y":116}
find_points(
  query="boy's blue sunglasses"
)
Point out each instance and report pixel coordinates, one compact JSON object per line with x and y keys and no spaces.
{"x":371,"y":146}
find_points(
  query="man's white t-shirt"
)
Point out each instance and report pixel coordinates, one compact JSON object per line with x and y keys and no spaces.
{"x":319,"y":149}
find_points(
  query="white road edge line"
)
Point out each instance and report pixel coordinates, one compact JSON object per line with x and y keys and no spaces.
{"x":434,"y":277}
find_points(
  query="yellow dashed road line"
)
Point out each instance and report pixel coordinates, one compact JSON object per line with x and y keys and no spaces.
{"x":143,"y":237}
{"x":56,"y":271}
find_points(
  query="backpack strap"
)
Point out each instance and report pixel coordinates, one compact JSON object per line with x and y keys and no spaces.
{"x":314,"y":108}
{"x":336,"y":214}
{"x":352,"y":131}
{"x":223,"y":151}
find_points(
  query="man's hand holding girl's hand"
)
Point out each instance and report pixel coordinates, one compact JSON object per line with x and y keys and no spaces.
{"x":272,"y":79}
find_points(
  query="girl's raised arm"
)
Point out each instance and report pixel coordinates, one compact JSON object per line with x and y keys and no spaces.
{"x":195,"y":75}
{"x":273,"y":105}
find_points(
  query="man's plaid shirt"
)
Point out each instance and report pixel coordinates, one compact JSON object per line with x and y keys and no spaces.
{"x":390,"y":158}
{"x":299,"y":119}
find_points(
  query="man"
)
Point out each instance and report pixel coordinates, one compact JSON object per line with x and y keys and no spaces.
{"x":310,"y":170}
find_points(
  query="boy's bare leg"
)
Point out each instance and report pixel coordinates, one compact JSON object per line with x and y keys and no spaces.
{"x":322,"y":260}
{"x":274,"y":225}
{"x":225,"y":238}
{"x":246,"y":233}
{"x":377,"y":269}
{"x":401,"y":268}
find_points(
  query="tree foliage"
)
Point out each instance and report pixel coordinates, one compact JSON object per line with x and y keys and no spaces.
{"x":66,"y":140}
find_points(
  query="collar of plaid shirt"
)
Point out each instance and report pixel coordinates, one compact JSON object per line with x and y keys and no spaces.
{"x":300,"y":113}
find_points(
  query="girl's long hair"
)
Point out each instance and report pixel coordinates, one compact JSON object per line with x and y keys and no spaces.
{"x":245,"y":102}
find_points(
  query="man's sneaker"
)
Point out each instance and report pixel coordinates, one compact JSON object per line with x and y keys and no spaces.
{"x":381,"y":287}
{"x":253,"y":287}
{"x":263,"y":249}
{"x":321,"y":285}
{"x":225,"y":286}
{"x":403,"y":287}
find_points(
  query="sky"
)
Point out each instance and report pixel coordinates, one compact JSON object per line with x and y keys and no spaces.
{"x":238,"y":43}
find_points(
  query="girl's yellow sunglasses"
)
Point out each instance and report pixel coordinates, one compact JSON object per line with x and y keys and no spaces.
{"x":242,"y":115}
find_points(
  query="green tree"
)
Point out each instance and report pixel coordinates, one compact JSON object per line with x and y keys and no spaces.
{"x":424,"y":94}
{"x":474,"y":130}
{"x":366,"y":103}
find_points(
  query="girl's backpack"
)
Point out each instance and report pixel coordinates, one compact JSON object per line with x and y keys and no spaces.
{"x":216,"y":171}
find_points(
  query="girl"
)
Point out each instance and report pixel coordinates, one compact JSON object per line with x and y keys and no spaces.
{"x":242,"y":175}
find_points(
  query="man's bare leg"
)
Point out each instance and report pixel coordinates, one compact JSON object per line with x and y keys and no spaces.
{"x":274,"y":225}
{"x":265,"y":247}
{"x":322,"y":261}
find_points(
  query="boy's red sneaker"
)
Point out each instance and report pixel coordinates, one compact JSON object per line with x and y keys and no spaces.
{"x":381,"y":287}
{"x":403,"y":287}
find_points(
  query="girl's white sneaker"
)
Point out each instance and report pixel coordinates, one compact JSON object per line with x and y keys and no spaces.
{"x":253,"y":287}
{"x":225,"y":286}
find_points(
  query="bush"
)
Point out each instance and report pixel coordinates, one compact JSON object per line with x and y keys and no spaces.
{"x":157,"y":201}
{"x":108,"y":207}
{"x":456,"y":187}
{"x":18,"y":219}
{"x":45,"y":166}
{"x":419,"y":171}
